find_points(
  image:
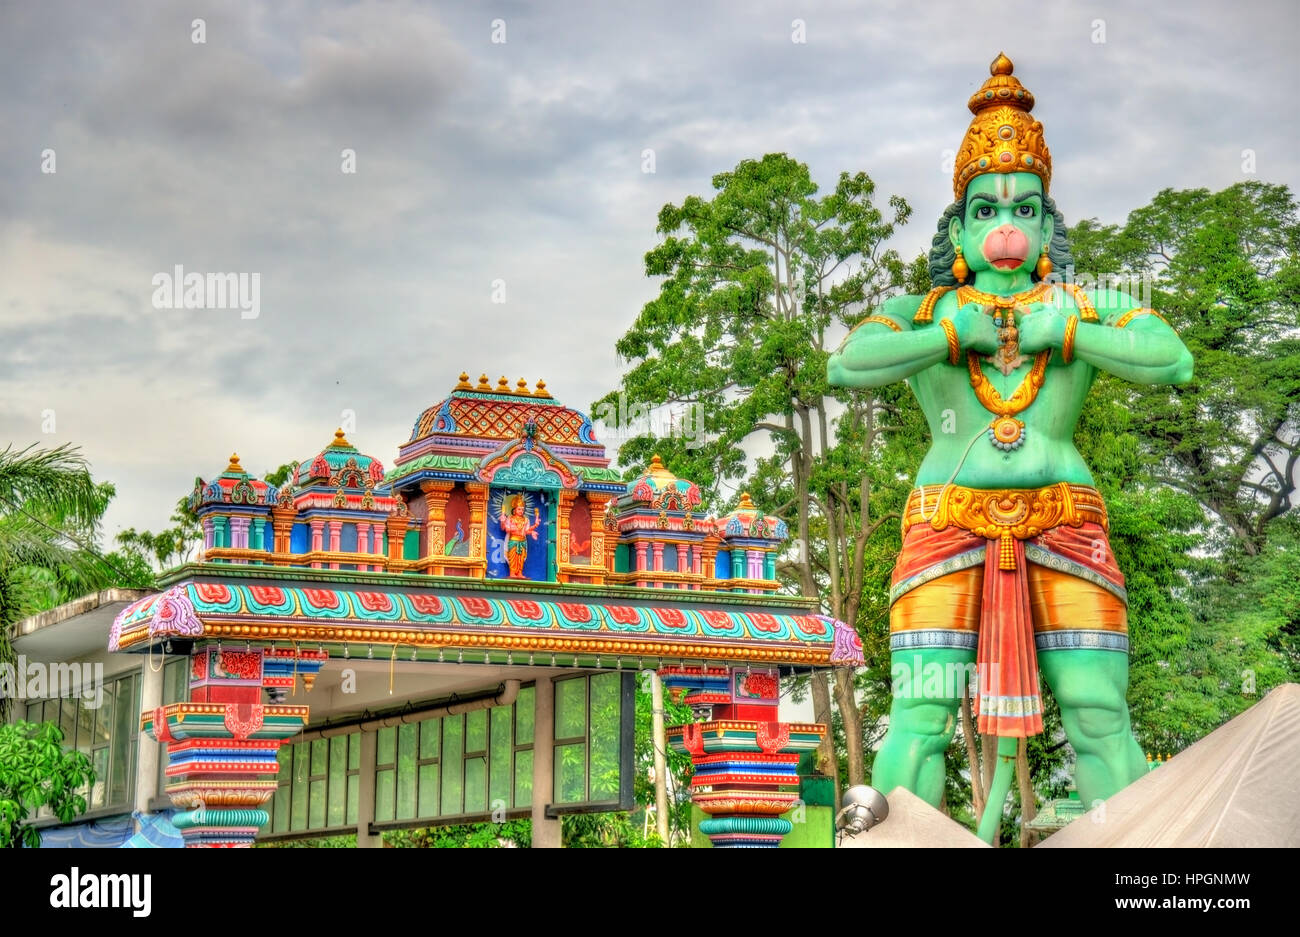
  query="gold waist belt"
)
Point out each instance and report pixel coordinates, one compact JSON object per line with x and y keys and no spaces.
{"x":1005,"y":513}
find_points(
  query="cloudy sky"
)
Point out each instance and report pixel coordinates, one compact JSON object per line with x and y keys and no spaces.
{"x":519,"y":161}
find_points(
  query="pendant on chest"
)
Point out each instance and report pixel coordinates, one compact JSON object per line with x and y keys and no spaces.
{"x":1008,"y":357}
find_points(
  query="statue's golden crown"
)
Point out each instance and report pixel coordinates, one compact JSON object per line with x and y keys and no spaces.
{"x":1002,"y":137}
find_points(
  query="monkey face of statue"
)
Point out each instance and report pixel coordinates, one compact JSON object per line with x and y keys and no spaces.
{"x":1005,"y":225}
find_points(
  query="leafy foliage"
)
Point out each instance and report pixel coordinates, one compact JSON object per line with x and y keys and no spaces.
{"x":36,"y":772}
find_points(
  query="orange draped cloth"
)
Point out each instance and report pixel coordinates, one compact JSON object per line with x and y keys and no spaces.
{"x":1070,"y":566}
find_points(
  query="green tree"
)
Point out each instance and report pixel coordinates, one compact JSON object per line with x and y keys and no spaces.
{"x":50,"y":509}
{"x":754,"y":281}
{"x":36,"y":772}
{"x":1225,"y":271}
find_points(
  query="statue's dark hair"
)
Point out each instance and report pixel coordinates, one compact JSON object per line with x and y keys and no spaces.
{"x":942,"y":253}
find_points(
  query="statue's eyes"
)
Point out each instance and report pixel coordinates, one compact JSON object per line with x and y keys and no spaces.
{"x":984,"y":212}
{"x":1025,"y":211}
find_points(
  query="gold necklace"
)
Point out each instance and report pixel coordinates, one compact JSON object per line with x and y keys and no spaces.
{"x":1006,"y":432}
{"x":1008,"y":356}
{"x":968,"y":294}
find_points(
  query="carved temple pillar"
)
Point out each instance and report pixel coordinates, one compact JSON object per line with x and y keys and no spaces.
{"x":563,"y":509}
{"x":222,"y":744}
{"x":601,"y":562}
{"x":610,"y":527}
{"x":477,"y":495}
{"x":436,"y":494}
{"x":396,"y":525}
{"x":709,"y":560}
{"x":746,"y":760}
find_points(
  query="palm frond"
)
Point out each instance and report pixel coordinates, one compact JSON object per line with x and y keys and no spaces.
{"x":54,"y":483}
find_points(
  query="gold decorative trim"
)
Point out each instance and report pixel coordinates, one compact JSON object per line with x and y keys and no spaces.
{"x":1087,"y":311}
{"x":925,"y":312}
{"x":352,"y":633}
{"x":1134,"y":313}
{"x":969,"y":294}
{"x":1005,"y":513}
{"x":1022,"y":397}
{"x":950,"y":333}
{"x":1067,"y":345}
{"x":881,"y":320}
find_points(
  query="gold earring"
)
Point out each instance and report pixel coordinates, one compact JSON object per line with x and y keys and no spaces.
{"x":1044,"y":267}
{"x":959,"y":268}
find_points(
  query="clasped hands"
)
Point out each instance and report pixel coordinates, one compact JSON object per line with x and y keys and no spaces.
{"x":1040,"y":325}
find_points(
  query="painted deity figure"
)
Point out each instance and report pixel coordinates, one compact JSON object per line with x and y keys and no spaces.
{"x":1005,"y":563}
{"x":517,"y":529}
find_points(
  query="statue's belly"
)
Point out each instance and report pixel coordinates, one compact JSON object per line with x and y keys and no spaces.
{"x":960,"y":433}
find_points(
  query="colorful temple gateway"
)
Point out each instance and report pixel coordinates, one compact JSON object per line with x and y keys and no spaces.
{"x":451,"y":639}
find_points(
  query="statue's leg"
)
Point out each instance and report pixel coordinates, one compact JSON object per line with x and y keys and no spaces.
{"x":1090,"y":686}
{"x":927,"y":686}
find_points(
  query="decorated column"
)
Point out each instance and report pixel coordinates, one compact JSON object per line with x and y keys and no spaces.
{"x":222,"y":744}
{"x":477,"y":495}
{"x":436,"y":494}
{"x":746,"y":760}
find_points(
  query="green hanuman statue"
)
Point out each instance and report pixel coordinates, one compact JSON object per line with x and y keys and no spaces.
{"x":1006,"y":569}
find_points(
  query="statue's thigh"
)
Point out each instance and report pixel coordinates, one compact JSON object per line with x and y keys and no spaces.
{"x":1081,"y":637}
{"x":1071,"y":612}
{"x":934,"y":633}
{"x":950,"y":603}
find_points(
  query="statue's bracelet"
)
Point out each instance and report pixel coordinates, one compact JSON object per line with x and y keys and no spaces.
{"x":1067,"y":346}
{"x":950,"y":332}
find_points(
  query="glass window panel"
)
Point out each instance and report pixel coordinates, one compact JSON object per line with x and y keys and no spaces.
{"x":67,"y":721}
{"x":354,"y":797}
{"x":429,"y":732}
{"x":317,"y":814}
{"x":605,"y":705}
{"x":476,"y":785}
{"x":319,"y":754}
{"x":406,"y":791}
{"x":354,"y":751}
{"x":407,"y":737}
{"x":100,"y":787}
{"x":85,"y":725}
{"x":386,"y":750}
{"x":571,"y":771}
{"x":36,"y":712}
{"x":428,"y":790}
{"x":476,"y":731}
{"x":570,"y":708}
{"x":499,"y":770}
{"x":384,"y":783}
{"x":524,"y":707}
{"x":280,"y":810}
{"x":103,"y":713}
{"x":452,"y":729}
{"x":122,"y":765}
{"x":337,"y":779}
{"x":524,"y":778}
{"x":299,"y":796}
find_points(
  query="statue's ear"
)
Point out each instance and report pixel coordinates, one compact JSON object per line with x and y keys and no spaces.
{"x":1049,"y":227}
{"x":955,"y":231}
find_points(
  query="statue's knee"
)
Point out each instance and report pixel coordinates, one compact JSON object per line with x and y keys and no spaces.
{"x":935,"y":722}
{"x":1094,"y":723}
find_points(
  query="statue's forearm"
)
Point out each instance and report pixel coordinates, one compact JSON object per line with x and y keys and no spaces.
{"x":879,"y":357}
{"x":1144,"y":355}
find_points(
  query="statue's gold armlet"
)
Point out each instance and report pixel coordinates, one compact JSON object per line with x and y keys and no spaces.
{"x":878,"y":320}
{"x":1087,"y":311}
{"x":925,"y":313}
{"x":1134,"y":313}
